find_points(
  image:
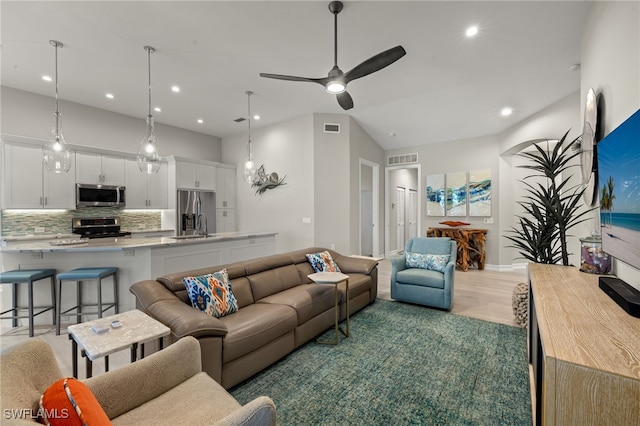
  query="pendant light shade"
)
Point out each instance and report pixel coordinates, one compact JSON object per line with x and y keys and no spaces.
{"x":249,"y":169}
{"x":149,"y":158}
{"x":56,"y":154}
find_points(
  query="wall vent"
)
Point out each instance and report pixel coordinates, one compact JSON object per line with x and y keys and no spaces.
{"x":394,"y":160}
{"x":331,"y":128}
{"x":239,"y":120}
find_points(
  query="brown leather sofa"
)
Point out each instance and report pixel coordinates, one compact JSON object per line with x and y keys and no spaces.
{"x":280,"y":309}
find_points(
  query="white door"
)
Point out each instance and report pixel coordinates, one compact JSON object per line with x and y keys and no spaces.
{"x":400,"y":236}
{"x":412,"y":214}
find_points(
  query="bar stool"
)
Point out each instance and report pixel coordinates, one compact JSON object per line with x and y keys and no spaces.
{"x":83,"y":274}
{"x":28,"y":276}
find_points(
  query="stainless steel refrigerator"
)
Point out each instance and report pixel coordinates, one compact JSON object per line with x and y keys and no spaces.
{"x":196,"y":212}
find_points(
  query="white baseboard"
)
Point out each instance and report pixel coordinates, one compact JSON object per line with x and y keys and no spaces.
{"x":506,"y":268}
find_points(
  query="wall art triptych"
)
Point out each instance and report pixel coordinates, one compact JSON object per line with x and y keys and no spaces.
{"x":459,"y":194}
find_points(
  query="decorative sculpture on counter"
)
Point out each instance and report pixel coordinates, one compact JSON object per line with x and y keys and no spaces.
{"x":262,"y":181}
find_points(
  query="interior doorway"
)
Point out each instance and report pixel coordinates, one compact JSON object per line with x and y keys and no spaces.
{"x":407,"y":211}
{"x":369,"y":208}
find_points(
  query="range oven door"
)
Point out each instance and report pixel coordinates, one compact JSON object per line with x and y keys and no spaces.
{"x":100,"y":195}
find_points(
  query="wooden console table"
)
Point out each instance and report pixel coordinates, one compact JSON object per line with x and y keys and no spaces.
{"x":470,"y":244}
{"x":584,"y":351}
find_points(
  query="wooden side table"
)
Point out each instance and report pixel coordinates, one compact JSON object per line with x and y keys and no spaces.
{"x":135,"y":328}
{"x":471,"y":244}
{"x":334,"y":278}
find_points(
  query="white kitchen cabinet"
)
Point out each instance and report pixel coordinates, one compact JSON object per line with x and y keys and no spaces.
{"x":195,"y":176}
{"x":28,"y":184}
{"x":225,"y":220}
{"x":99,"y":168}
{"x":225,"y":187}
{"x":145,"y":191}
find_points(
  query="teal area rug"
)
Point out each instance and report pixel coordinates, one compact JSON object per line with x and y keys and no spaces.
{"x":403,"y":365}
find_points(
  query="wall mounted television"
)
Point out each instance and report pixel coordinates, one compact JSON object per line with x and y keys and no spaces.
{"x":618,"y":156}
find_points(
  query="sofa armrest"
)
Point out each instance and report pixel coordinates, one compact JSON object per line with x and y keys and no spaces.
{"x":398,"y":263}
{"x":354,"y":265}
{"x":259,"y":412}
{"x":185,"y":320}
{"x":120,"y":391}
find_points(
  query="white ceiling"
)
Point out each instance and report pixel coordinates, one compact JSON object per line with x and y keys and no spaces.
{"x":447,"y":87}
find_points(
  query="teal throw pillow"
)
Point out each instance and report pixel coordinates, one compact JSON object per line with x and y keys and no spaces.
{"x":434,"y":262}
{"x":212,"y":293}
{"x":322,"y":262}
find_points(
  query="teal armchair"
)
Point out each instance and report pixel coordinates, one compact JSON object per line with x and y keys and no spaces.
{"x":422,"y":283}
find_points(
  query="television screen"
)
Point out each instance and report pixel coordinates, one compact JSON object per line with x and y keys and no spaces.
{"x":618,"y":157}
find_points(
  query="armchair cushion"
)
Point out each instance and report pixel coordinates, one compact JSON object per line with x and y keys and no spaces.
{"x":421,"y":277}
{"x":434,"y":262}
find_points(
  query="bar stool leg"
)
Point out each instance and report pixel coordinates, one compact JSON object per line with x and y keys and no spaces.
{"x":14,"y":305}
{"x":59,"y":307}
{"x":99,"y":297}
{"x":53,"y":297}
{"x":115,"y":291}
{"x":79,"y":300}
{"x":30,"y":291}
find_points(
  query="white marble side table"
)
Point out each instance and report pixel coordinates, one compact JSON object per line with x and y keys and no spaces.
{"x":334,"y":278}
{"x":135,"y":327}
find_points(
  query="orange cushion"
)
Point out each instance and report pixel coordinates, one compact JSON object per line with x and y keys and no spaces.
{"x":69,"y":402}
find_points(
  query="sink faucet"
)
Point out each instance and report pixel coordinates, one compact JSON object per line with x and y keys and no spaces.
{"x":199,"y":225}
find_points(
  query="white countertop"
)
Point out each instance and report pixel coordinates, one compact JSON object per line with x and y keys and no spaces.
{"x":98,"y":244}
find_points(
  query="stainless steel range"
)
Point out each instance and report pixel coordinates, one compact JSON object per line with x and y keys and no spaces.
{"x":98,"y":227}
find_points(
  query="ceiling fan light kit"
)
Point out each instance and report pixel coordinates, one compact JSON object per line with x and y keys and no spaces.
{"x":336,"y":81}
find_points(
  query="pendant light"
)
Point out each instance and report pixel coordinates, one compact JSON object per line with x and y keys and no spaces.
{"x":249,"y":167}
{"x":56,"y":154}
{"x":149,"y":158}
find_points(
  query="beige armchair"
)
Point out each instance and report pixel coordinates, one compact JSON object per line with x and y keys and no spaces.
{"x":166,"y":388}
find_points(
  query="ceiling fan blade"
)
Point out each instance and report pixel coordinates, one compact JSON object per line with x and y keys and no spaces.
{"x":375,"y":63}
{"x":292,"y":78}
{"x":345,"y":100}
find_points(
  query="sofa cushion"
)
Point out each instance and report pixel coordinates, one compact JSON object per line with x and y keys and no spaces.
{"x":254,"y":326}
{"x":358,"y":284}
{"x":322,"y":262}
{"x":71,"y":402}
{"x":308,"y":300}
{"x":212,"y":293}
{"x":274,"y":280}
{"x":174,"y":281}
{"x":421,"y":277}
{"x":434,"y":262}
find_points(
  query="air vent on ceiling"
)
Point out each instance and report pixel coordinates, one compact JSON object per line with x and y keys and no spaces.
{"x":331,"y":128}
{"x":394,"y":160}
{"x":239,"y":120}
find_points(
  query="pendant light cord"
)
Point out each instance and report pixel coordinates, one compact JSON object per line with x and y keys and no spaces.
{"x":149,"y":50}
{"x":249,"y":93}
{"x":56,"y":44}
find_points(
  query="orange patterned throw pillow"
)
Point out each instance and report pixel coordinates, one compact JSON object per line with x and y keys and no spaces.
{"x":70,"y":402}
{"x":454,"y":223}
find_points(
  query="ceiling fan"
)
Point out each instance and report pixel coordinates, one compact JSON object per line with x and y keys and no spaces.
{"x":337,"y":80}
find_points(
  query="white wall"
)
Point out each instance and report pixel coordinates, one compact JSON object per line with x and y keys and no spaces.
{"x":611,"y":66}
{"x":287,"y":149}
{"x":30,"y":115}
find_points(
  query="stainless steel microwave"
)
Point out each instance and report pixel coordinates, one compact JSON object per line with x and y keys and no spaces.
{"x":89,"y":195}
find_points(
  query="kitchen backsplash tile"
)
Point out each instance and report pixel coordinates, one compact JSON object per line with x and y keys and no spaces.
{"x":24,"y":222}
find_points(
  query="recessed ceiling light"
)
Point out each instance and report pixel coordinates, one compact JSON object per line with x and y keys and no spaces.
{"x":506,"y":111}
{"x":175,"y":89}
{"x":200,"y":121}
{"x":472,"y":31}
{"x":109,"y":95}
{"x":157,"y":109}
{"x":47,"y":78}
{"x":256,"y":117}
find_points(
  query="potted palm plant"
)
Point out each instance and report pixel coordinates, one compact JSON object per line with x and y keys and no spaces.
{"x":551,"y":206}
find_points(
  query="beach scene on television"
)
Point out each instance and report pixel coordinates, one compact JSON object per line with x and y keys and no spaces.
{"x":619,"y":191}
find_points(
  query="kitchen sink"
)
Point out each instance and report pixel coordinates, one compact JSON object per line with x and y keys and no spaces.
{"x":188,"y":237}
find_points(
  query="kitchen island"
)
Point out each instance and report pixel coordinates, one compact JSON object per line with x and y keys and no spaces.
{"x":137,"y":259}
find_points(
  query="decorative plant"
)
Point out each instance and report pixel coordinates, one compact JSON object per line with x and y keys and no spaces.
{"x":551,"y":208}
